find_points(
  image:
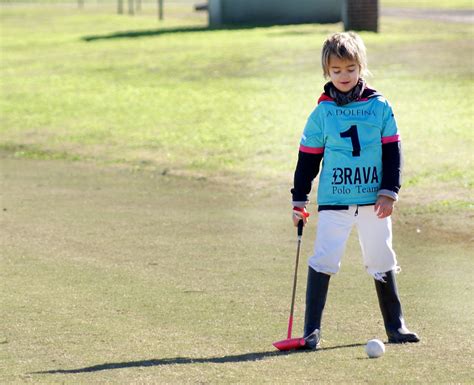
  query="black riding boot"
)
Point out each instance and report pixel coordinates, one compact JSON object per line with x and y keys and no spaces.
{"x":391,"y":308}
{"x":316,"y":292}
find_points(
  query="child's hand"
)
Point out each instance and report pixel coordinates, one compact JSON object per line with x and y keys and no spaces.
{"x":300,"y":214}
{"x":384,"y":206}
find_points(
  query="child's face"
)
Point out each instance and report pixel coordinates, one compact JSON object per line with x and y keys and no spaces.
{"x":343,"y":73}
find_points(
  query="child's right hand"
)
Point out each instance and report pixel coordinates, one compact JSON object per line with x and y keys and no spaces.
{"x":299,"y":214}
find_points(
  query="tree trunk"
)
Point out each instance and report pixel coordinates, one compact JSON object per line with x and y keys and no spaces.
{"x":360,"y":15}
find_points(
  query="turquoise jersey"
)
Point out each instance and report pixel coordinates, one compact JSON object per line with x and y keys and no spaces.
{"x":350,"y":137}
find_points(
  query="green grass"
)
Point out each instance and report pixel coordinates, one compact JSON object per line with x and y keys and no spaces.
{"x":106,"y":279}
{"x":124,"y":275}
{"x":447,"y":4}
{"x":215,"y":95}
{"x":453,"y":4}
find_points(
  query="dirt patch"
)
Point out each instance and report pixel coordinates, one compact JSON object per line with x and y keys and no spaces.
{"x":84,"y":196}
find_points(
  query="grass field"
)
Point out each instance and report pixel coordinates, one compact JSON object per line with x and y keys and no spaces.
{"x":145,"y":175}
{"x":453,"y":4}
{"x":446,"y":4}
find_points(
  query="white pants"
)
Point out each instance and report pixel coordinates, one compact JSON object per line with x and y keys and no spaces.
{"x":375,"y":237}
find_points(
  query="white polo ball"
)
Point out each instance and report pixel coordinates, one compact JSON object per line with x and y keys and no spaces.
{"x":375,"y":348}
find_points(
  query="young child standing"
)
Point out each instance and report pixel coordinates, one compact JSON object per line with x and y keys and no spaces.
{"x":354,"y":132}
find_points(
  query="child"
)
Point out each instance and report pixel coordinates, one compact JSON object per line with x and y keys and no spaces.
{"x":354,"y":132}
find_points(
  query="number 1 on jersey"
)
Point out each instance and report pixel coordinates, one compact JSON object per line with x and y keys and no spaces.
{"x":354,"y":135}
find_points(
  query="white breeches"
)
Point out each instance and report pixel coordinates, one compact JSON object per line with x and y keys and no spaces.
{"x":375,"y":237}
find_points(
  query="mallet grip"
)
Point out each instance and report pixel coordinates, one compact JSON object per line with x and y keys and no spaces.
{"x":300,"y":228}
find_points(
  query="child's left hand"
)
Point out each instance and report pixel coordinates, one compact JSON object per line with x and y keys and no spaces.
{"x":384,"y":206}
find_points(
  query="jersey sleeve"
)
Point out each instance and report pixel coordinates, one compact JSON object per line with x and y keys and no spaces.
{"x":391,"y":156}
{"x":312,"y":140}
{"x":390,"y":132}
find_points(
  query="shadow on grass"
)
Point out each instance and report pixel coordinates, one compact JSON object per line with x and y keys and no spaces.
{"x":165,"y":31}
{"x":145,"y":33}
{"x":186,"y":360}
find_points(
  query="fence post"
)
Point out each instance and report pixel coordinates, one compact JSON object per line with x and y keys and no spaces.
{"x":160,"y":9}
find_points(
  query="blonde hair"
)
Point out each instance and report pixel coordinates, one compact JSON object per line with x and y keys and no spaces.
{"x":345,"y":45}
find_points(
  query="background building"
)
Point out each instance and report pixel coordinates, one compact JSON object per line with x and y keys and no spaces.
{"x":274,"y":11}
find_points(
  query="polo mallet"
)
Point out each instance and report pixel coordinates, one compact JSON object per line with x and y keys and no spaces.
{"x":293,"y":343}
